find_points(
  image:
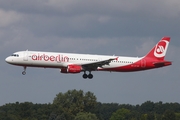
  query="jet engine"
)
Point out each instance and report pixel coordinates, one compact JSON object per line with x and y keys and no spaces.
{"x":71,"y":69}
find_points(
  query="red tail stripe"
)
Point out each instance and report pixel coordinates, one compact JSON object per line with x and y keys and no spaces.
{"x":166,"y":38}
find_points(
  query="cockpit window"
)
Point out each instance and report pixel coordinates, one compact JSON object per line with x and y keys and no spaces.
{"x":15,"y":55}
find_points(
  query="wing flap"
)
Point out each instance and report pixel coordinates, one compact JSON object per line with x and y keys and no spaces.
{"x":95,"y":65}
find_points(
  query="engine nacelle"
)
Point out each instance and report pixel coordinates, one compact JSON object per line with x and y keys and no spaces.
{"x":72,"y":69}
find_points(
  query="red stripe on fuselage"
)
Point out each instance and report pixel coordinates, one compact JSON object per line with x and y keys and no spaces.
{"x":143,"y":64}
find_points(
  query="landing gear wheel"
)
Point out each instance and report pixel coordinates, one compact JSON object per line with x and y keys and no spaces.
{"x":24,"y":72}
{"x":85,"y":76}
{"x":90,"y":76}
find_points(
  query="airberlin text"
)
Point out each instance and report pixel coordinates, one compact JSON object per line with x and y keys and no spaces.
{"x":52,"y":58}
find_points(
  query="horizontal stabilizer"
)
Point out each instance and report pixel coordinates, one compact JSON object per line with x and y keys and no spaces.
{"x":163,"y":63}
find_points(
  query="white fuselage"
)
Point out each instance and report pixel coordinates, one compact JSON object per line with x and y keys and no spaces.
{"x":59,"y":60}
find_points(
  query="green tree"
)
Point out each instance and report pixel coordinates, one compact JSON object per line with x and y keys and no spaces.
{"x":150,"y":116}
{"x":85,"y":116}
{"x":26,"y":110}
{"x":104,"y":110}
{"x":144,"y":117}
{"x":177,"y":116}
{"x":169,"y":115}
{"x":121,"y":114}
{"x":147,"y":107}
{"x":73,"y":102}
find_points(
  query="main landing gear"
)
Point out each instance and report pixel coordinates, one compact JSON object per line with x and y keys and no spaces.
{"x":85,"y":76}
{"x":24,"y":72}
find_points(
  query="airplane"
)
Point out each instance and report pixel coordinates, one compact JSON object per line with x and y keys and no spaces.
{"x":76,"y":63}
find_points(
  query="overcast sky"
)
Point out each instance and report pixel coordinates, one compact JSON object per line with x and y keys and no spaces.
{"x":120,"y":27}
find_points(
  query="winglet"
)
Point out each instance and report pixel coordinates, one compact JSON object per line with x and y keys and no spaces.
{"x":116,"y":58}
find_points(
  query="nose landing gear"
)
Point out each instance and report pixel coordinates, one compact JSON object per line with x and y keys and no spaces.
{"x":24,"y":72}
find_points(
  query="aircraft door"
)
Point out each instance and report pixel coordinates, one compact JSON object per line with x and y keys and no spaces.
{"x":143,"y":63}
{"x":99,"y":59}
{"x":25,"y":57}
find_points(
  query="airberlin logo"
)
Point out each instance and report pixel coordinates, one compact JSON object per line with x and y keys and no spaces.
{"x":52,"y":58}
{"x":161,"y":48}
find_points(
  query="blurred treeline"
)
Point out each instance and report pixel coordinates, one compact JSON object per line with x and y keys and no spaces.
{"x":79,"y":105}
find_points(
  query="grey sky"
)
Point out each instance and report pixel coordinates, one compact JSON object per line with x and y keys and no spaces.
{"x":119,"y":27}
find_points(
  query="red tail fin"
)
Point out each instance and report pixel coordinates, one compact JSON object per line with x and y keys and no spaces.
{"x":159,"y":51}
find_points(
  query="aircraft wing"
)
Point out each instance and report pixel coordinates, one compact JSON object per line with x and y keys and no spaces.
{"x":95,"y":65}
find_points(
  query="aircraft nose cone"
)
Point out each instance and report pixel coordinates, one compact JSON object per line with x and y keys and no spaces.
{"x":8,"y":60}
